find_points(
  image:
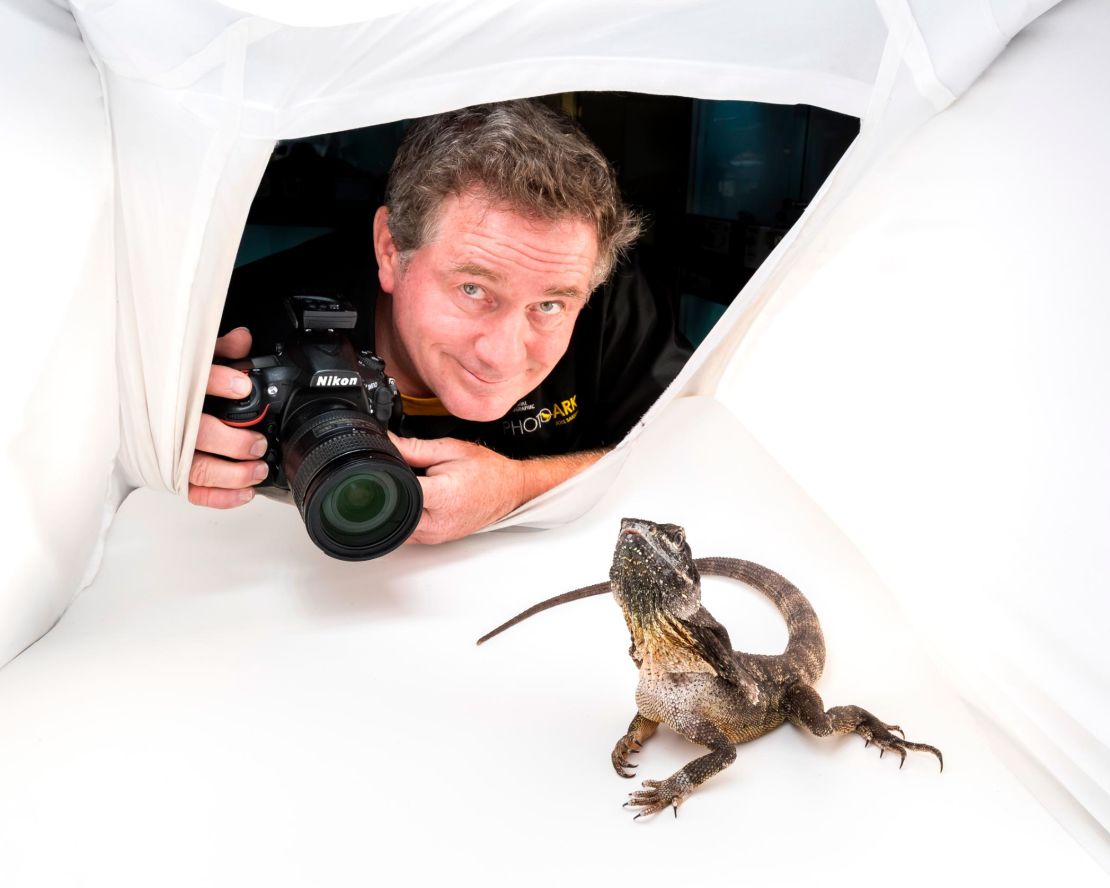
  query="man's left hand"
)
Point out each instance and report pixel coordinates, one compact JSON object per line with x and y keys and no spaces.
{"x":466,"y":486}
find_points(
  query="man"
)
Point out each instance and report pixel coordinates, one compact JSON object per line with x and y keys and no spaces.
{"x":499,"y":222}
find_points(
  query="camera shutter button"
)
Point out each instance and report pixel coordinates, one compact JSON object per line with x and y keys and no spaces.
{"x":250,"y":410}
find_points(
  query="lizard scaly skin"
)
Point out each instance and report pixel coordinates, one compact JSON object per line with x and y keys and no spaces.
{"x":692,"y":681}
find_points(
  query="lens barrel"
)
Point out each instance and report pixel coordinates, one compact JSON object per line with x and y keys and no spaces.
{"x":357,"y":496}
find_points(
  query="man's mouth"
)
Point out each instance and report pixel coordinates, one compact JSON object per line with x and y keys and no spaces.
{"x":480,"y":378}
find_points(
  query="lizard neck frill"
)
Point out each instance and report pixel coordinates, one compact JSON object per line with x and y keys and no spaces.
{"x":663,"y":643}
{"x":656,"y":583}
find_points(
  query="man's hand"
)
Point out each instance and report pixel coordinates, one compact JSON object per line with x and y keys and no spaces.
{"x":222,"y":483}
{"x":467,"y":486}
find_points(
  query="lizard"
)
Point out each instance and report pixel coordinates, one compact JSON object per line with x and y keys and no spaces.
{"x":691,"y":679}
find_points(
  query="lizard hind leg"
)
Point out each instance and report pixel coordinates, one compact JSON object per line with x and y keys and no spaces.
{"x":803,"y":707}
{"x":638,"y":733}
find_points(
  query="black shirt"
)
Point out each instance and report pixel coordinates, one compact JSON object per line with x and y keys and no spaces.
{"x":624,"y":351}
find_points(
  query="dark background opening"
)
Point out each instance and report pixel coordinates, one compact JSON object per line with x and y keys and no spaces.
{"x":720,"y":182}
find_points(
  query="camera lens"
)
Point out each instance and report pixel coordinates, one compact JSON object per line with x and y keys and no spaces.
{"x":359,"y":504}
{"x":365,"y":504}
{"x":357,"y":496}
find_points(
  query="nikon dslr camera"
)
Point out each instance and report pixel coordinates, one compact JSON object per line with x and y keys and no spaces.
{"x":324,"y":409}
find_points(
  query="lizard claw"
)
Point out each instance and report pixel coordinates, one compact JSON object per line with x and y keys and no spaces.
{"x":625,"y":747}
{"x":655,"y":796}
{"x":874,"y":731}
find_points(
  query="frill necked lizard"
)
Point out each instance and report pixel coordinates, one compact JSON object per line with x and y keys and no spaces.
{"x":692,"y":681}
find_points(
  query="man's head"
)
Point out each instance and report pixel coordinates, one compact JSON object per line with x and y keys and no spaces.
{"x":499,"y":222}
{"x":522,"y":155}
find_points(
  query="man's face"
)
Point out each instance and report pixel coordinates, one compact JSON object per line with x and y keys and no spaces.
{"x":480,"y":315}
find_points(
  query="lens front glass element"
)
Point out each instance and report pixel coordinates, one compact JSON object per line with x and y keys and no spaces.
{"x":362,"y":508}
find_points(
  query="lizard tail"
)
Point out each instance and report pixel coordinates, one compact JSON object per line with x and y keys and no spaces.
{"x":805,"y":651}
{"x":584,"y":592}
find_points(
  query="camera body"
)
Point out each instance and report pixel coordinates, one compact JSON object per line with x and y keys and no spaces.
{"x":324,"y":408}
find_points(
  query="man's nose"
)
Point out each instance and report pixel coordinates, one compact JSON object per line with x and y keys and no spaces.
{"x":502,"y":345}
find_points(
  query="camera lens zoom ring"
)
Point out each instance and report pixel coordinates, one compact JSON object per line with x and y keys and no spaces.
{"x":351,"y":443}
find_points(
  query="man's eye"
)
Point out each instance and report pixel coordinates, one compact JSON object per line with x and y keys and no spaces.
{"x":471,"y":290}
{"x":550,"y":308}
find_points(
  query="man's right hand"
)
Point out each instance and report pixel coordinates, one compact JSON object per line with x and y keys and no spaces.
{"x":223,"y":483}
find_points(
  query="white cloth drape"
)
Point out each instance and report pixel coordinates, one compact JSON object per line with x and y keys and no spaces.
{"x":923,"y":353}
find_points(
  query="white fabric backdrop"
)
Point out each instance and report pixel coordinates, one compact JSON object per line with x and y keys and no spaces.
{"x":973,"y":482}
{"x":201,"y":89}
{"x":933,"y":369}
{"x":59,"y":434}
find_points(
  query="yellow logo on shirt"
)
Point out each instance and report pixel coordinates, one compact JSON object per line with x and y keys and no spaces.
{"x":561,"y":413}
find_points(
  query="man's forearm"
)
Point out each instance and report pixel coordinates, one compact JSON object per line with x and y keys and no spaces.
{"x":540,"y":473}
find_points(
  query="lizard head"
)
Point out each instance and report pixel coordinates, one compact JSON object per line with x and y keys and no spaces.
{"x":653,"y":572}
{"x":653,"y":578}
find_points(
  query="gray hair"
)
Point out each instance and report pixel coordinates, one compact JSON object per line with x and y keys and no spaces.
{"x":522,"y":154}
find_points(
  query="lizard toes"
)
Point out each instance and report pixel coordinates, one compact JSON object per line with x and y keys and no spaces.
{"x":925,"y":747}
{"x":653,"y":801}
{"x":656,"y":796}
{"x":891,"y":744}
{"x":648,"y":810}
{"x":888,"y":742}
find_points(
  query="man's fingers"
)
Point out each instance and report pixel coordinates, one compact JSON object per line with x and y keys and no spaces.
{"x":224,"y":382}
{"x":429,"y":532}
{"x":421,"y":453}
{"x":216,"y":498}
{"x":234,"y":344}
{"x":214,"y":436}
{"x":211,"y":471}
{"x":226,"y":483}
{"x":435,"y":492}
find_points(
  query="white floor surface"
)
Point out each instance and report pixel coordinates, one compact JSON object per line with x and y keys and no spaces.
{"x":226,"y":706}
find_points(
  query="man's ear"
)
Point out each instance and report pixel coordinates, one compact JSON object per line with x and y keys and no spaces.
{"x":386,"y":252}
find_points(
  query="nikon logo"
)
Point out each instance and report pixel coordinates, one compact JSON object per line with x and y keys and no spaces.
{"x":335,"y":380}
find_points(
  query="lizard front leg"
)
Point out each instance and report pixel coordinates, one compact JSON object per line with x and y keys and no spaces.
{"x":638,"y":733}
{"x":803,"y":707}
{"x":672,"y":792}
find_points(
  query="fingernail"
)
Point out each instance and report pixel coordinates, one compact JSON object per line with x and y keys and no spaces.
{"x":246,"y":495}
{"x":258,"y":447}
{"x":261,"y":471}
{"x":241,"y":386}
